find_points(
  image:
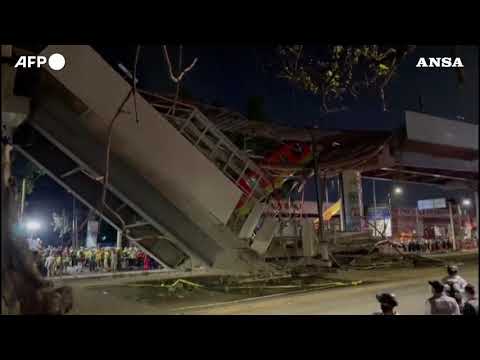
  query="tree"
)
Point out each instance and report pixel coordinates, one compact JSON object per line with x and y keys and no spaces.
{"x":24,"y":291}
{"x":337,"y":73}
{"x":32,"y":174}
{"x":61,"y":224}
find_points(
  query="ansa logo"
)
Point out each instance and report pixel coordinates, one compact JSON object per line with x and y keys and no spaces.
{"x":439,"y":62}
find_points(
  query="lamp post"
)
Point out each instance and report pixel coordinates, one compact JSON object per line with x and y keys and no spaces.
{"x":397,"y":191}
{"x":32,"y":226}
{"x":452,"y":228}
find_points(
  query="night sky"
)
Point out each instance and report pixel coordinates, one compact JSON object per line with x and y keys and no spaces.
{"x":229,"y":75}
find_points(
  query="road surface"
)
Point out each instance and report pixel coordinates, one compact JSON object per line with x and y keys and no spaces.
{"x":96,"y":296}
{"x":411,"y":288}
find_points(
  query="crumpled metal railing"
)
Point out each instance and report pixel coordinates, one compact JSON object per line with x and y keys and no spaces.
{"x":216,"y":146}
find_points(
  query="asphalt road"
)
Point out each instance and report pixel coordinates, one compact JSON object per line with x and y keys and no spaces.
{"x":411,"y":289}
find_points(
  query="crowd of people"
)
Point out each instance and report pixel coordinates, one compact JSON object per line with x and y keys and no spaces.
{"x":426,"y":245}
{"x":450,"y":296}
{"x":57,"y":261}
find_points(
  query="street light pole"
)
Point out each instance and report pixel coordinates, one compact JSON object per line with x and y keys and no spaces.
{"x":374,"y":208}
{"x":22,"y":200}
{"x":317,"y":190}
{"x":452,"y":229}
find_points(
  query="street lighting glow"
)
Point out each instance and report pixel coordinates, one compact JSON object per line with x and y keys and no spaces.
{"x":398,"y":190}
{"x":33,"y":225}
{"x":466,"y":202}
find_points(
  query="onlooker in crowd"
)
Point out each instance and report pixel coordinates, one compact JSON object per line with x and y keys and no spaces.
{"x":114,"y":259}
{"x":440,"y":303}
{"x":99,"y":258}
{"x":50,"y":264}
{"x":92,"y":261}
{"x":471,"y":304}
{"x":106,"y":260}
{"x":454,"y":278}
{"x":452,"y":290}
{"x":388,"y":303}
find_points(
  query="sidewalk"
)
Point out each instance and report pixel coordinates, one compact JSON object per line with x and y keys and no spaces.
{"x":120,"y":277}
{"x":107,"y":274}
{"x":455,"y":253}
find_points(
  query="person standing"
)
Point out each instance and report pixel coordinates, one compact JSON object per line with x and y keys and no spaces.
{"x":440,"y":303}
{"x":388,"y":303}
{"x":133,"y":257}
{"x":114,"y":259}
{"x":454,"y":278}
{"x":66,"y":259}
{"x":106,"y":259}
{"x":73,"y":255}
{"x":452,"y":290}
{"x":146,"y":261}
{"x":92,"y":260}
{"x":58,"y":263}
{"x":471,"y":304}
{"x":50,"y":264}
{"x":99,"y":259}
{"x":88,"y":256}
{"x":124,"y":258}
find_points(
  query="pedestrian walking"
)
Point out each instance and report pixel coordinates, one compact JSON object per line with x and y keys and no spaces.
{"x":471,"y":303}
{"x":440,"y":303}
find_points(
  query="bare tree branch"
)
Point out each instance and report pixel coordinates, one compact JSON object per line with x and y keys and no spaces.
{"x":135,"y":82}
{"x":178,"y":78}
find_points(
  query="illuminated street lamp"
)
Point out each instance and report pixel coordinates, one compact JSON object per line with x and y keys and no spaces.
{"x":398,"y":190}
{"x":466,"y":202}
{"x":33,"y":225}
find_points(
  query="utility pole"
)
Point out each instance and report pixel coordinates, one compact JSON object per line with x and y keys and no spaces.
{"x":452,"y":228}
{"x":326,"y":191}
{"x":342,"y":210}
{"x":374,"y":208}
{"x":74,"y":225}
{"x":22,"y":200}
{"x":319,"y":189}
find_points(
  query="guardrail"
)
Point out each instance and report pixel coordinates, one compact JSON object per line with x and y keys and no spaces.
{"x":210,"y":141}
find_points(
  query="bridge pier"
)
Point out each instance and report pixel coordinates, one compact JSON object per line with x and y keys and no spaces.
{"x":351,"y":186}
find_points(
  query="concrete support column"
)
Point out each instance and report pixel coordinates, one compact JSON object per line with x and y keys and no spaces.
{"x":419,"y":223}
{"x":119,"y":239}
{"x":265,"y":235}
{"x":460,"y":228}
{"x":352,"y":199}
{"x":246,"y":232}
{"x":308,"y":238}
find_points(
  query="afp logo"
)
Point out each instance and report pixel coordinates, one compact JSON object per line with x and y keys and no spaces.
{"x":440,"y":62}
{"x":55,"y":61}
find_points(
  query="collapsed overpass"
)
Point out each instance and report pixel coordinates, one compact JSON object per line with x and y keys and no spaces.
{"x":170,"y":195}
